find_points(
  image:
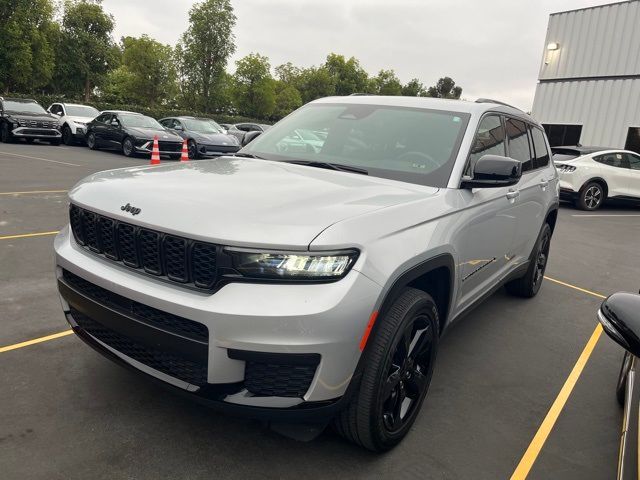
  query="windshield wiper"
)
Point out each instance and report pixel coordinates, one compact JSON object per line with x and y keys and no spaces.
{"x":329,"y":166}
{"x":247,"y":155}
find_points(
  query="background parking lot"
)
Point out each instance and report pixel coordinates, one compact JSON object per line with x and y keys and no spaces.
{"x":67,"y":412}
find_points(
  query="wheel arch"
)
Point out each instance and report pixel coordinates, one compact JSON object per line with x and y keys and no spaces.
{"x":434,"y":276}
{"x":599,"y":180}
{"x":552,"y":217}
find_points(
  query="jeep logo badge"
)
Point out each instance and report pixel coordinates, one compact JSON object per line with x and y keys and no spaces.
{"x":130,"y":209}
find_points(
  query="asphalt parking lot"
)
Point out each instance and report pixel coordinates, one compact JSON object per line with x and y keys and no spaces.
{"x":68,"y":413}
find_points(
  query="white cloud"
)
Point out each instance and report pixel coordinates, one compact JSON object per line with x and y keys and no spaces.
{"x":490,"y":48}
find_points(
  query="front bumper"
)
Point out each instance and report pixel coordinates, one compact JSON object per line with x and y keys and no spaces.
{"x":217,"y":150}
{"x":34,"y":132}
{"x":247,"y":324}
{"x":165,"y":148}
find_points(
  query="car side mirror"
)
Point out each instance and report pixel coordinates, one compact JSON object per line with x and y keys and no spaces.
{"x":492,"y":171}
{"x":250,"y":137}
{"x":620,"y":318}
{"x":178,"y":128}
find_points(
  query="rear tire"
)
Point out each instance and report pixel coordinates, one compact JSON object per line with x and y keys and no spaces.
{"x":591,"y":196}
{"x":91,"y":141}
{"x":398,"y":366}
{"x":529,"y":284}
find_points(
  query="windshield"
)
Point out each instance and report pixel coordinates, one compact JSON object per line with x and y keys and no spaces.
{"x":81,"y":111}
{"x":408,"y":144}
{"x":202,"y":126}
{"x":26,"y":107}
{"x":139,"y":121}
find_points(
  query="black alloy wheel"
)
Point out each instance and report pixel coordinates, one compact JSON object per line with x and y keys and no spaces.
{"x":67,"y":136}
{"x":192,"y":148}
{"x":91,"y":141}
{"x":128,"y":147}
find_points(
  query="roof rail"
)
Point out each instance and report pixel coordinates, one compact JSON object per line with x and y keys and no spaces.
{"x":498,"y":102}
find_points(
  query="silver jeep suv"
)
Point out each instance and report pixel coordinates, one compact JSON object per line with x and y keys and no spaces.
{"x":308,"y":283}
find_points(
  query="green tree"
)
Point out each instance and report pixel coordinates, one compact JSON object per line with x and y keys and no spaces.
{"x":288,"y":99}
{"x":254,"y":88}
{"x":27,"y":38}
{"x":316,"y":82}
{"x":445,"y":88}
{"x":86,"y":52}
{"x":414,"y":88}
{"x":153,"y":75}
{"x":288,"y":73}
{"x":349,"y":76}
{"x":205,"y":49}
{"x":385,"y":83}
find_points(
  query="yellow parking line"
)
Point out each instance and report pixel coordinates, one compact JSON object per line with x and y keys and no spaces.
{"x":530,"y":456}
{"x":35,"y":340}
{"x":28,"y":235}
{"x":34,"y":192}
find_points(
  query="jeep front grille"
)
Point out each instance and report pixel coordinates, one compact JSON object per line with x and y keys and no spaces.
{"x":177,"y":259}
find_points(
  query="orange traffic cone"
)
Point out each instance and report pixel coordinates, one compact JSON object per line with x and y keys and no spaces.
{"x":185,"y":152}
{"x":155,"y":153}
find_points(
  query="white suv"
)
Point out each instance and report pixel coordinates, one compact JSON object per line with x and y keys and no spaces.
{"x":313,"y":284}
{"x":590,"y":175}
{"x":73,"y":119}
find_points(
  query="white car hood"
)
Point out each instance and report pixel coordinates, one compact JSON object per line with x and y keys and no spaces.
{"x":240,"y":201}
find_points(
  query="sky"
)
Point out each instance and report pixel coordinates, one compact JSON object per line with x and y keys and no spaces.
{"x":491,"y":48}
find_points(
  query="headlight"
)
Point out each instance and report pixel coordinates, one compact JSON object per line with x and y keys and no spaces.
{"x":567,"y":168}
{"x":292,"y":265}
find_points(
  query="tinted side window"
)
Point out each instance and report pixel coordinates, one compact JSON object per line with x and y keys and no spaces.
{"x":634,"y":161}
{"x":489,"y":139}
{"x":104,"y":118}
{"x":613,"y":160}
{"x":519,"y":143}
{"x":540,"y":147}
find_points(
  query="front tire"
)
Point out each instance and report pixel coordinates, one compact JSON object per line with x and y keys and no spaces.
{"x":591,"y":196}
{"x":67,"y":136}
{"x":397,"y":372}
{"x":192,"y":148}
{"x":128,"y":148}
{"x":91,"y":141}
{"x":5,"y":134}
{"x":529,"y":284}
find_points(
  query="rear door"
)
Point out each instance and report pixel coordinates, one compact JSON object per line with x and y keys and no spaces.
{"x":634,"y":174}
{"x":532,"y":188}
{"x":614,"y":169}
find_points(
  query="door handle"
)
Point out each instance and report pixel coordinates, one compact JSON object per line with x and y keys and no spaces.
{"x":544,"y":184}
{"x":513,"y":194}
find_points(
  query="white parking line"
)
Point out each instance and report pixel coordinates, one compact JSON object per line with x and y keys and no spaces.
{"x":610,"y":215}
{"x":42,"y":159}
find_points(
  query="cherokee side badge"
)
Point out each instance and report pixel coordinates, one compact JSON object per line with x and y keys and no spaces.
{"x":130,"y":209}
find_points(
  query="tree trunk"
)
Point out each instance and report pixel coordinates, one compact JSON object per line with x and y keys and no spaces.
{"x":87,"y":89}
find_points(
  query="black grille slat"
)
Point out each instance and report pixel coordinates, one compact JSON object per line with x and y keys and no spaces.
{"x":175,"y":258}
{"x":127,"y":247}
{"x":169,"y":363}
{"x":150,"y":251}
{"x":204,"y":265}
{"x":149,"y":315}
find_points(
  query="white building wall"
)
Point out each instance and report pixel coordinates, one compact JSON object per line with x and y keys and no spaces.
{"x":605,"y":108}
{"x":593,"y":78}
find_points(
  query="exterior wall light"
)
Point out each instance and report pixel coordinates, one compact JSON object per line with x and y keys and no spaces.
{"x":553,"y":46}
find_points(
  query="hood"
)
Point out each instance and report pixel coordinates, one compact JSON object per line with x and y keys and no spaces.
{"x":239,"y":201}
{"x":80,"y":119}
{"x":214,"y":138}
{"x":149,"y":133}
{"x":41,"y":117}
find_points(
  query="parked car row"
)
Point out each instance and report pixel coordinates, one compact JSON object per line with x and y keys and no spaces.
{"x":130,"y":132}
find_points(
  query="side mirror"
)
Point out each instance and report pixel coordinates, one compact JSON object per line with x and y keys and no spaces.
{"x":620,"y":318}
{"x":178,"y":128}
{"x":492,"y":171}
{"x":250,"y":137}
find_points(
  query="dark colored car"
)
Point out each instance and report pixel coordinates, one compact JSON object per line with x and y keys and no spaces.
{"x":25,"y":118}
{"x":239,"y":130}
{"x":132,"y":133}
{"x":620,"y":318}
{"x":205,"y":138}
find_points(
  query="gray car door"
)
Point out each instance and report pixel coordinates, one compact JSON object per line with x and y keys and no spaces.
{"x":486,"y":223}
